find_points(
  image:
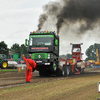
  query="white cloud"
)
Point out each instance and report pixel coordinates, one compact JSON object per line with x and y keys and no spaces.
{"x":15,"y":25}
{"x":18,"y":18}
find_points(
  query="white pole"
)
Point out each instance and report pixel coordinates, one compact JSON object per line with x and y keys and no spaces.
{"x":99,"y":86}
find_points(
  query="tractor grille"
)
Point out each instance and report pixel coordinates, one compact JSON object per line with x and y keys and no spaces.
{"x":39,"y":56}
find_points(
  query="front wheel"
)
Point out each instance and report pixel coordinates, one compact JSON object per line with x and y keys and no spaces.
{"x":44,"y":73}
{"x":59,"y":72}
{"x":41,"y":73}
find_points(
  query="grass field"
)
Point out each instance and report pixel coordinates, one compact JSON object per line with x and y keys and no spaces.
{"x":10,"y":70}
{"x":72,"y":88}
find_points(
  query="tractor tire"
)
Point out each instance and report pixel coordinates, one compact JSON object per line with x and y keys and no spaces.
{"x":41,"y":73}
{"x":82,"y":71}
{"x":44,"y":73}
{"x":65,"y":72}
{"x":59,"y":72}
{"x":4,"y":64}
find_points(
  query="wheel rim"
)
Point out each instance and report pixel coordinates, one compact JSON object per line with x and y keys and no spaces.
{"x":54,"y":66}
{"x":4,"y":65}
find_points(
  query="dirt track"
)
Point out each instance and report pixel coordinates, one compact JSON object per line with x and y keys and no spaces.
{"x":12,"y":78}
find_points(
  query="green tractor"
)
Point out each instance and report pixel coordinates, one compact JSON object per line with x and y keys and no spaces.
{"x":3,"y":62}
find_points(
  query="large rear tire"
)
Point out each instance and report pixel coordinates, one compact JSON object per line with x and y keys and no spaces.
{"x":4,"y":64}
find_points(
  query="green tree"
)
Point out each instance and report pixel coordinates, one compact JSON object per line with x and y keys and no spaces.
{"x":24,"y":49}
{"x":69,"y":55}
{"x":3,"y":48}
{"x":16,"y":48}
{"x":91,"y":52}
{"x":62,"y":56}
{"x":66,"y":56}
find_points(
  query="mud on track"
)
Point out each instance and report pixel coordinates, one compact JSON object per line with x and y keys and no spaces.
{"x":13,"y":78}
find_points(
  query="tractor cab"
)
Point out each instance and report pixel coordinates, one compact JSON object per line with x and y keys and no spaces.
{"x":76,"y":51}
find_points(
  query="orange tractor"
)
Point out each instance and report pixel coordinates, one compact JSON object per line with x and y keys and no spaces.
{"x":74,"y":65}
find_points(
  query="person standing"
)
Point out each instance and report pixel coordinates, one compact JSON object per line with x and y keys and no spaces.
{"x":30,"y":64}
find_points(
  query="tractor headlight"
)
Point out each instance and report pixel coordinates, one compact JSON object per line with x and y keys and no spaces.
{"x":48,"y":55}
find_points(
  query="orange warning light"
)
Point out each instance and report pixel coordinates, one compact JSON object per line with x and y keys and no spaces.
{"x":47,"y":31}
{"x":33,"y":31}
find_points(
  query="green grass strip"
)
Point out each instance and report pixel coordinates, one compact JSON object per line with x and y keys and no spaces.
{"x":10,"y":70}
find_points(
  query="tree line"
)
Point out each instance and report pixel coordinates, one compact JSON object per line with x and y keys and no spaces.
{"x":22,"y":49}
{"x":90,"y":52}
{"x":15,"y":48}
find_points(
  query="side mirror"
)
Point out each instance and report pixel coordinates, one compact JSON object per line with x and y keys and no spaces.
{"x":25,"y":42}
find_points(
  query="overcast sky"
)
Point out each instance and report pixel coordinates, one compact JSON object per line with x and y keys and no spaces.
{"x":19,"y":17}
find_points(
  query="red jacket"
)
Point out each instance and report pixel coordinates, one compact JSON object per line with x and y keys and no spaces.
{"x":29,"y":63}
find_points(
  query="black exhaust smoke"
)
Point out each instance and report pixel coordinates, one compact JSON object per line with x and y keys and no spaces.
{"x":42,"y":19}
{"x":86,"y":12}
